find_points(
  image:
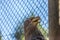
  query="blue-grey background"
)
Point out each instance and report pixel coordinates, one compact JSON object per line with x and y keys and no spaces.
{"x":14,"y":12}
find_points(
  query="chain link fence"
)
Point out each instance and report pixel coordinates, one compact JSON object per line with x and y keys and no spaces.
{"x":13,"y":13}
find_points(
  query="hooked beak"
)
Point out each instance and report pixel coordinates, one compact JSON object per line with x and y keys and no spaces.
{"x":37,"y":19}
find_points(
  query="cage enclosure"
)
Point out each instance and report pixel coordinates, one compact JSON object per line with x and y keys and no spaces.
{"x":13,"y":13}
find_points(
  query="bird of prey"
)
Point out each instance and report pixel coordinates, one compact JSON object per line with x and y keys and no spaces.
{"x":30,"y":29}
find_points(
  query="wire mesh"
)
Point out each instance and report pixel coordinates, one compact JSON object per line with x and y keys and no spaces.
{"x":13,"y":13}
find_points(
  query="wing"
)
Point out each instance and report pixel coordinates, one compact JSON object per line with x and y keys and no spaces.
{"x":37,"y":36}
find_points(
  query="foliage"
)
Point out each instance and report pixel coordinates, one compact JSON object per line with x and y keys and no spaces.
{"x":43,"y":31}
{"x":18,"y":33}
{"x":0,"y":35}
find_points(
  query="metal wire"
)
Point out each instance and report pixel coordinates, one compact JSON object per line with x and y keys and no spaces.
{"x":13,"y":13}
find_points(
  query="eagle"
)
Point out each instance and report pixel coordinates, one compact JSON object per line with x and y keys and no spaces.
{"x":31,"y":31}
